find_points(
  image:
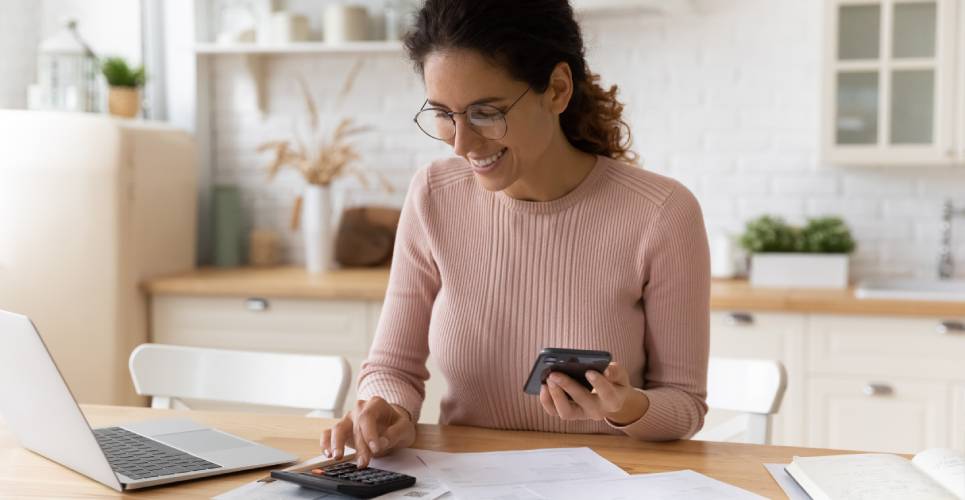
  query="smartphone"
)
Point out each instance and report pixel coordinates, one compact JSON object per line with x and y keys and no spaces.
{"x":572,"y":362}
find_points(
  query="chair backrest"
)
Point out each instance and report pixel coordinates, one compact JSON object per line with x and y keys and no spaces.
{"x":171,"y":374}
{"x":753,"y":387}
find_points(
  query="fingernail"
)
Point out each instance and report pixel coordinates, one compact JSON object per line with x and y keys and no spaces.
{"x":327,"y":453}
{"x":592,"y":375}
{"x":374,"y":446}
{"x":383,"y":442}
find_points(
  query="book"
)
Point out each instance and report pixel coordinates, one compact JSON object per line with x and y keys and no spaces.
{"x":934,"y":474}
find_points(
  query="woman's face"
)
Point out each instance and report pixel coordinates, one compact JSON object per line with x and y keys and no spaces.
{"x":457,"y":78}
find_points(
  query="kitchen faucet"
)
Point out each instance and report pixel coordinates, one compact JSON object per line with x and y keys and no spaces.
{"x":946,"y":265}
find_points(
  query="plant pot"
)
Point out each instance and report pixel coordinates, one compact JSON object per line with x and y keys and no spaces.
{"x":124,"y":102}
{"x":316,"y":222}
{"x":799,"y":270}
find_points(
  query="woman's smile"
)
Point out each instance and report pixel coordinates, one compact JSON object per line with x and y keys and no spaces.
{"x":486,"y":164}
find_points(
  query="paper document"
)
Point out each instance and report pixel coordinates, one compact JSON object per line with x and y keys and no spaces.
{"x":505,"y":474}
{"x":404,"y":461}
{"x":679,"y":485}
{"x":786,"y":482}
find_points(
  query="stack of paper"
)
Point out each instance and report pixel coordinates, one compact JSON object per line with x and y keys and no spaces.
{"x":547,"y":474}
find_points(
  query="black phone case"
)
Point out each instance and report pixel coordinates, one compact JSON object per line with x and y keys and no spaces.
{"x":572,"y":362}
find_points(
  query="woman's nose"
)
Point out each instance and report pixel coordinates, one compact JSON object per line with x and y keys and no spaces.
{"x":465,"y":139}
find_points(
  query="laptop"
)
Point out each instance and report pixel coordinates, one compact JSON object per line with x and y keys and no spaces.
{"x":40,"y":410}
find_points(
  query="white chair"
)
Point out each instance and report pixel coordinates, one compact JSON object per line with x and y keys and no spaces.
{"x":753,"y":387}
{"x":171,"y":374}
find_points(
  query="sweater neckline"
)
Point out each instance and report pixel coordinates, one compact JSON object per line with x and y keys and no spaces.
{"x":561,"y":203}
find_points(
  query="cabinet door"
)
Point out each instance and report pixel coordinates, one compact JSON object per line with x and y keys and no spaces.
{"x":877,"y":414}
{"x":889,"y":73}
{"x":766,"y":336}
{"x":958,"y":417}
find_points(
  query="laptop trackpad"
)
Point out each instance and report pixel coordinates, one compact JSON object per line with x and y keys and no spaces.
{"x":202,"y":441}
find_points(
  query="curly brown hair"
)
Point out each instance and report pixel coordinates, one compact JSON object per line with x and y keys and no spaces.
{"x":529,"y":38}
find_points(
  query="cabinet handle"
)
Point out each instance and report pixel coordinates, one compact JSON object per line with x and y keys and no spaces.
{"x":952,"y":327}
{"x":256,"y":304}
{"x":878,"y":390}
{"x":740,"y":319}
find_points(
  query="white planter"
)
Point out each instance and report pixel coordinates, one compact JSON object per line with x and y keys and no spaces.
{"x":317,"y":228}
{"x":799,"y":270}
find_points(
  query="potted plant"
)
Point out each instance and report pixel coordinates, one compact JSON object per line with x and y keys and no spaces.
{"x":124,"y":99}
{"x":815,"y":256}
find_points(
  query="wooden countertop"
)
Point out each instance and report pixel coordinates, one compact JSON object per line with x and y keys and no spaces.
{"x":25,"y":474}
{"x":370,"y":284}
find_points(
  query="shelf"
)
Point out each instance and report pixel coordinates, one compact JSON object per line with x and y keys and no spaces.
{"x":255,"y":56}
{"x":366,"y":47}
{"x":657,"y":7}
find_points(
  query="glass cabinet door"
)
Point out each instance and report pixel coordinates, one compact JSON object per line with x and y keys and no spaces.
{"x":887,"y":80}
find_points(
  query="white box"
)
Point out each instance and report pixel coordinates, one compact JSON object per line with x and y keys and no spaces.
{"x":799,"y":270}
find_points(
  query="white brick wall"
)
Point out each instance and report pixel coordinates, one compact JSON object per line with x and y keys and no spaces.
{"x":726,"y":100}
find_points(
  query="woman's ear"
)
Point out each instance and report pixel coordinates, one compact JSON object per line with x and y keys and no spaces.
{"x":560,"y":89}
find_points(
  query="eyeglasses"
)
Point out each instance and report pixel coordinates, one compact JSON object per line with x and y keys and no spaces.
{"x":486,"y":120}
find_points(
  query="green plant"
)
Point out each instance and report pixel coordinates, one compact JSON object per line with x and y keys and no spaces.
{"x":768,"y":234}
{"x":820,"y":235}
{"x":826,"y":235}
{"x":120,"y":74}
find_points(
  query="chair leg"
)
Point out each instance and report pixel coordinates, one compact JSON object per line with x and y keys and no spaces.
{"x":160,"y":402}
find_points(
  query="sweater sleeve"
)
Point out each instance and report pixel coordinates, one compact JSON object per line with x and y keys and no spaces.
{"x":676,"y":301}
{"x":396,"y":365}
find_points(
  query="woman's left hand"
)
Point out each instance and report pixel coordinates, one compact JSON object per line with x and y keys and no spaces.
{"x":612,"y":397}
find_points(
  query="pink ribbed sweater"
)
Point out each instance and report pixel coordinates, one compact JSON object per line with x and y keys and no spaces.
{"x":484,"y":282}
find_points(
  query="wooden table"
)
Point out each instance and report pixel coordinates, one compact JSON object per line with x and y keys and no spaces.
{"x":25,"y":475}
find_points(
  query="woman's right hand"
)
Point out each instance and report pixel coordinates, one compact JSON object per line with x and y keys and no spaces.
{"x":374,"y":428}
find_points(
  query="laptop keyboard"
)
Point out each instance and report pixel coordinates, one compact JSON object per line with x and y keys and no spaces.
{"x":138,"y":457}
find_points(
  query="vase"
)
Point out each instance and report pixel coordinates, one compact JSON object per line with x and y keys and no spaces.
{"x":124,"y":102}
{"x":317,"y":228}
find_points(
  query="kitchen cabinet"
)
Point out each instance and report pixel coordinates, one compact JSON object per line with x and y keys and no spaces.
{"x":331,"y":327}
{"x":892,"y":73}
{"x":888,"y":414}
{"x":776,"y":336}
{"x":958,"y":416}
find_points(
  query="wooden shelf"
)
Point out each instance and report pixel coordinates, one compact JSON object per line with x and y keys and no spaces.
{"x":366,"y":47}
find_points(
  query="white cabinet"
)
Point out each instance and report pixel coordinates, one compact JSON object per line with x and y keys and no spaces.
{"x":958,"y":416}
{"x":882,"y":383}
{"x":773,"y":336}
{"x":334,"y":327}
{"x":892,"y":89}
{"x":877,"y":414}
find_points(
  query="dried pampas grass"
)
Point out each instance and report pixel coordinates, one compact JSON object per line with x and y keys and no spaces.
{"x":328,"y":158}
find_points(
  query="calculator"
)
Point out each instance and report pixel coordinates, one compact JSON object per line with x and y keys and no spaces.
{"x":346,"y":478}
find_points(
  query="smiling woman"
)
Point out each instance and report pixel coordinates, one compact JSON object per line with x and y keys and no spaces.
{"x":538,"y":233}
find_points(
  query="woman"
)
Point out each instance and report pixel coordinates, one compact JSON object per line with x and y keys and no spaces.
{"x":537,"y":234}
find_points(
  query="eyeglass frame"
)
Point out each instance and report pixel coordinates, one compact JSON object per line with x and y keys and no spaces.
{"x":452,"y":117}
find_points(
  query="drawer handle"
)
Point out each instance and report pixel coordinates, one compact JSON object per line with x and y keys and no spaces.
{"x":256,"y":304}
{"x":740,"y":319}
{"x":956,"y":327}
{"x":878,"y":390}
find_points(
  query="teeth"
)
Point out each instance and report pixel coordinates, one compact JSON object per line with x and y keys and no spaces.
{"x":484,"y":162}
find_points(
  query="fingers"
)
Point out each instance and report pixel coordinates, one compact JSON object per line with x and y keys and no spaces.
{"x":566,"y":409}
{"x":367,"y":430}
{"x":588,"y":403}
{"x":546,"y":401}
{"x":617,"y":374}
{"x":399,"y":434}
{"x":608,"y":395}
{"x":340,"y":435}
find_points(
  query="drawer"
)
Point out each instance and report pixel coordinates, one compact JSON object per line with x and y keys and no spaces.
{"x":268,"y":324}
{"x":892,"y":346}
